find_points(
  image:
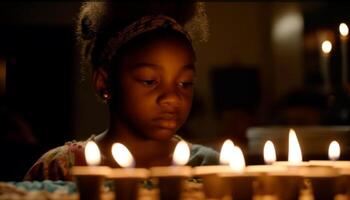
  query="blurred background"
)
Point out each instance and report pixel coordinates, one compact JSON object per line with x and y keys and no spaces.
{"x":262,"y":66}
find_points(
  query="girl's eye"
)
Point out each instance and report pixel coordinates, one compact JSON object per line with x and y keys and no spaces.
{"x":186,"y":84}
{"x":149,"y":82}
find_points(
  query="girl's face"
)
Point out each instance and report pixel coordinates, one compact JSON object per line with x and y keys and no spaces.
{"x":157,"y":88}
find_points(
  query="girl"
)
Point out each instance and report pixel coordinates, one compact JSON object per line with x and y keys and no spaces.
{"x":143,"y":67}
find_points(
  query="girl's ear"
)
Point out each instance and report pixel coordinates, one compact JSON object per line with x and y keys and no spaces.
{"x":100,"y":81}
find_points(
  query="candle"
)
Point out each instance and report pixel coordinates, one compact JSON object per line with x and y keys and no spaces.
{"x":126,"y":179}
{"x":89,"y":179}
{"x":239,"y":181}
{"x":213,"y":186}
{"x":333,"y":155}
{"x":344,"y":31}
{"x":326,"y":48}
{"x":285,"y":182}
{"x":269,"y":152}
{"x":171,"y":179}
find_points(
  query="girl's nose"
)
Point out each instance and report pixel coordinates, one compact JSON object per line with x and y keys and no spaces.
{"x":169,"y":98}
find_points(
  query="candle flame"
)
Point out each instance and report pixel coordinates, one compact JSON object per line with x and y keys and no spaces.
{"x":237,"y":163}
{"x":326,"y":46}
{"x":181,"y":153}
{"x":343,"y":29}
{"x":92,"y":153}
{"x":269,"y":152}
{"x":122,"y":155}
{"x":334,"y":150}
{"x":294,"y":151}
{"x":226,"y":152}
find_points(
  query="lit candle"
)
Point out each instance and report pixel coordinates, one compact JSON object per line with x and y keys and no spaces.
{"x":171,"y":179}
{"x":326,"y":48}
{"x":239,"y":181}
{"x":213,"y":185}
{"x":323,"y":174}
{"x":89,"y":179}
{"x":127,"y":178}
{"x":269,"y":153}
{"x":344,"y":31}
{"x":285,"y":182}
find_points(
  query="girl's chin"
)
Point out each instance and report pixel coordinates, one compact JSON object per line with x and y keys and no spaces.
{"x":162,"y":134}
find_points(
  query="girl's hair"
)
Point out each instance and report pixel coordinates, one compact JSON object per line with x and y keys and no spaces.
{"x":101,"y":20}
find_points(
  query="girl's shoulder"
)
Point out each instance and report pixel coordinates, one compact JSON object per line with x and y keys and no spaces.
{"x":56,"y":163}
{"x":200,"y":154}
{"x":203,"y":155}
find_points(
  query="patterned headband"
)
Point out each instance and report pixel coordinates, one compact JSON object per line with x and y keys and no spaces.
{"x":143,"y":25}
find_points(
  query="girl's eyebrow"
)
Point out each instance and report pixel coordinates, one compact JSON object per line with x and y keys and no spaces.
{"x":190,"y":66}
{"x":144,"y":64}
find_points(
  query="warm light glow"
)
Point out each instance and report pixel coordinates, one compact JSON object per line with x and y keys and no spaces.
{"x":181,"y":153}
{"x":343,"y":29}
{"x":237,"y":163}
{"x":122,"y":155}
{"x":334,"y":151}
{"x":92,"y":153}
{"x":326,"y":46}
{"x":294,"y":151}
{"x":226,"y":152}
{"x":269,"y":152}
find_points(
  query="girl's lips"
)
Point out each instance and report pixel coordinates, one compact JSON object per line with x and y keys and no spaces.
{"x":166,"y":123}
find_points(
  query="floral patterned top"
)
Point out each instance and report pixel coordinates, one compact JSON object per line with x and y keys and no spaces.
{"x":56,"y":163}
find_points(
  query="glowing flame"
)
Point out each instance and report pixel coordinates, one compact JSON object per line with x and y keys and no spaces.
{"x":122,"y":155}
{"x":181,"y":153}
{"x":269,"y":152}
{"x":343,"y":29}
{"x":237,"y":163}
{"x":326,"y":46}
{"x":334,"y":150}
{"x":92,"y":153}
{"x":226,"y":152}
{"x":294,"y":151}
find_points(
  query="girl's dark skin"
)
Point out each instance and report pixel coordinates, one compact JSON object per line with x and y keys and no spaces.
{"x":154,"y":99}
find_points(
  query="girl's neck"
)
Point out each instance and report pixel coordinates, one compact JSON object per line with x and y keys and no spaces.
{"x":146,"y":152}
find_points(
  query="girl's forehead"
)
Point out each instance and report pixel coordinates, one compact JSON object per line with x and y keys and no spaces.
{"x":162,"y":50}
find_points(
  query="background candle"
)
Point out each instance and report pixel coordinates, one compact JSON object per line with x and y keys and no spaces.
{"x":89,"y":179}
{"x":344,"y":30}
{"x":326,"y":48}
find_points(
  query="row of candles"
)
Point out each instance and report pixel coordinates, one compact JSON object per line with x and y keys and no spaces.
{"x":326,"y":48}
{"x":274,"y":180}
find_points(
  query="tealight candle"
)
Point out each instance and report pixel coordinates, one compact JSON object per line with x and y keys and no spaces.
{"x":126,"y":179}
{"x":89,"y":179}
{"x":171,"y":179}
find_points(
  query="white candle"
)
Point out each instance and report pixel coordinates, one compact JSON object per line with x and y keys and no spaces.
{"x":269,"y":152}
{"x":89,"y":179}
{"x":213,"y":186}
{"x":326,"y":48}
{"x":344,"y":31}
{"x":127,"y":178}
{"x":171,"y":179}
